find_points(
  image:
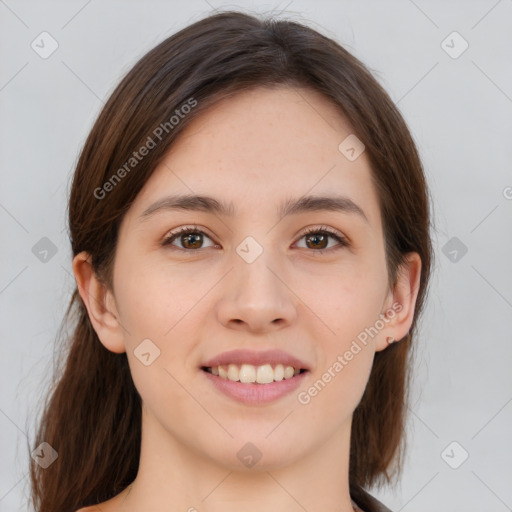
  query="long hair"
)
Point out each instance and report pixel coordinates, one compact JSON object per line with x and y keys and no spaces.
{"x":92,"y":415}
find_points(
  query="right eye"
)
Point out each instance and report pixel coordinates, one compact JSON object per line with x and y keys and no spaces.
{"x":190,"y":237}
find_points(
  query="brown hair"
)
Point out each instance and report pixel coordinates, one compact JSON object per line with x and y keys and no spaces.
{"x":92,"y":416}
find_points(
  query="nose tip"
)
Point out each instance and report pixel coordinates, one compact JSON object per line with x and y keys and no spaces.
{"x":256,"y":299}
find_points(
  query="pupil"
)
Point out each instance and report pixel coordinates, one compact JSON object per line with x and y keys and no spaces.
{"x":316,"y":237}
{"x":190,"y":240}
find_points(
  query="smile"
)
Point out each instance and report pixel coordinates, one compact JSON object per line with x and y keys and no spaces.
{"x":248,"y":373}
{"x":230,"y":382}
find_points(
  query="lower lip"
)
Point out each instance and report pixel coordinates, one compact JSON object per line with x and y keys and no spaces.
{"x":256,"y":394}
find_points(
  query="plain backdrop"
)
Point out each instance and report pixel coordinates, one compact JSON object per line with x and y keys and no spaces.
{"x":457,"y":101}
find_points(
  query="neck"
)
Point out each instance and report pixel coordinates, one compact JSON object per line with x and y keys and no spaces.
{"x":185,"y":478}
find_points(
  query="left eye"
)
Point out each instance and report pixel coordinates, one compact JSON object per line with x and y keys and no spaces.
{"x":192,"y":238}
{"x":320,"y":239}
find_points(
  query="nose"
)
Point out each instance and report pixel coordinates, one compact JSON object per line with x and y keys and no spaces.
{"x":256,"y":297}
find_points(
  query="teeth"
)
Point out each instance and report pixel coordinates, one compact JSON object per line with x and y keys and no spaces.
{"x":248,"y":373}
{"x":288,"y":372}
{"x":233,"y":372}
{"x":279,"y":372}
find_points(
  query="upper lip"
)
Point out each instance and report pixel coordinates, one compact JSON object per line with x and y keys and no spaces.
{"x":256,"y":358}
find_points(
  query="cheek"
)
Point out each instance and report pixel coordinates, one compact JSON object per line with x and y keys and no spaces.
{"x":152,"y":302}
{"x":350,"y":307}
{"x":339,"y":382}
{"x":349,"y":302}
{"x":157,"y":309}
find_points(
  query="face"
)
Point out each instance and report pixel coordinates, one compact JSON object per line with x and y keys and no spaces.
{"x":308,"y":283}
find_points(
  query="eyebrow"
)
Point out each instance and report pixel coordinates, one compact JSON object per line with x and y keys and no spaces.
{"x":289,"y":207}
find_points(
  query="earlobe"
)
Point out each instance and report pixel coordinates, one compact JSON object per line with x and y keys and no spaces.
{"x":402,"y":303}
{"x":100,"y":304}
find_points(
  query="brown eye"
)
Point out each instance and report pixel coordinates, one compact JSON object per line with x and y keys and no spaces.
{"x":189,"y":238}
{"x":318,"y":241}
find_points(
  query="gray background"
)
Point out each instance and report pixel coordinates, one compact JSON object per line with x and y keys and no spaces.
{"x":459,"y":111}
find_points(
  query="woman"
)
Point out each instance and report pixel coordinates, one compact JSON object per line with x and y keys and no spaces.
{"x":249,"y":221}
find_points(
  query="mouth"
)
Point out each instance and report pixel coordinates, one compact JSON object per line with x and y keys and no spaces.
{"x":251,"y":374}
{"x":255,"y":386}
{"x":255,"y":377}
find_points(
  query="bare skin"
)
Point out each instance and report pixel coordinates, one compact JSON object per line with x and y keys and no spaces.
{"x":256,"y":150}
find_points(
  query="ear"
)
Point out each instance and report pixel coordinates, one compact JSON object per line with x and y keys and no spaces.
{"x":399,"y":305}
{"x":100,"y":304}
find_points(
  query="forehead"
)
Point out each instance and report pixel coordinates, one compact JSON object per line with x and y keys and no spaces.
{"x":261,"y":146}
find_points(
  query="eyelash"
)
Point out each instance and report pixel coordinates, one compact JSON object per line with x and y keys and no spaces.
{"x":342,"y":241}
